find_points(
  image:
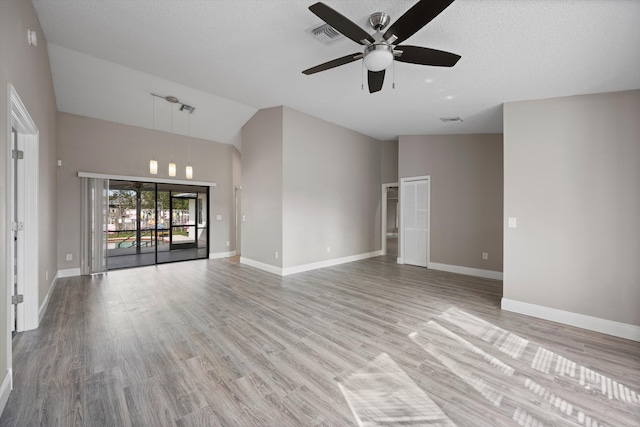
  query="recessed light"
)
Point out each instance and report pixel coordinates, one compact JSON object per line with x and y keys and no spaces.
{"x":428,"y":81}
{"x":449,"y":97}
{"x":451,"y":119}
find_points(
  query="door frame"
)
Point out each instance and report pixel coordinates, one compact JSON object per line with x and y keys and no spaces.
{"x":19,"y":119}
{"x":403,"y":181}
{"x":383,"y":216}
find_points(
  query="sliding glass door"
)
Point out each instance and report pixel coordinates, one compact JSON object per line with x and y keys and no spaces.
{"x":151,"y":223}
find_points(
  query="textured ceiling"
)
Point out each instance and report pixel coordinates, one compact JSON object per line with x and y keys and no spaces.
{"x":229,"y":58}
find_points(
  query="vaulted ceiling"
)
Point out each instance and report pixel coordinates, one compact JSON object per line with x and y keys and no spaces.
{"x":230,"y":58}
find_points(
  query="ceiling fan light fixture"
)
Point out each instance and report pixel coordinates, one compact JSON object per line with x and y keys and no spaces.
{"x":378,"y":57}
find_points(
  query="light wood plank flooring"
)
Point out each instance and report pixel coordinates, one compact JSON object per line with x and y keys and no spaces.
{"x":216,"y":343}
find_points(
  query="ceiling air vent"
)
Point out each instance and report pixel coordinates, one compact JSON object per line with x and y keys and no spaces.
{"x":325,"y":33}
{"x":450,"y":119}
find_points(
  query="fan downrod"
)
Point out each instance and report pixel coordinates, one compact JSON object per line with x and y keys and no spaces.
{"x":379,"y":20}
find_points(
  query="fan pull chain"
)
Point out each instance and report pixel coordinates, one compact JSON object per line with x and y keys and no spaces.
{"x":393,"y":71}
{"x":362,"y":77}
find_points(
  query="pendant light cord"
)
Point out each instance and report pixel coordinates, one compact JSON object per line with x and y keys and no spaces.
{"x":173,"y":137}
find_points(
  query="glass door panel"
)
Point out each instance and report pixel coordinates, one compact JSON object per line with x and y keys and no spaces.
{"x":183,"y":221}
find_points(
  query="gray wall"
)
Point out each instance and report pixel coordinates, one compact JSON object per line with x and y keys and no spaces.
{"x":466,"y":195}
{"x":91,"y":145}
{"x":27,"y":69}
{"x":389,"y":162}
{"x":331,"y":191}
{"x":572,"y":180}
{"x":262,"y":187}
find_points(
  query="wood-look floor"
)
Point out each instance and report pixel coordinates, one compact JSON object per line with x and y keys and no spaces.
{"x":217,"y":343}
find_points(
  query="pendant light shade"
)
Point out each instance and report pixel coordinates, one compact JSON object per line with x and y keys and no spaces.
{"x":172,"y":169}
{"x":189,"y":172}
{"x":153,"y":167}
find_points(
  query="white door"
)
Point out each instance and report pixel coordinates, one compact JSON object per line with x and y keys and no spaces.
{"x":17,"y":235}
{"x":415,"y":221}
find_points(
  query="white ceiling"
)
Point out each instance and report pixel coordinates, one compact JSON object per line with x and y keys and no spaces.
{"x":230,"y":58}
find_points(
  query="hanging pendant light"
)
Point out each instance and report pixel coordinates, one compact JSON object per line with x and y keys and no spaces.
{"x":172,"y":165}
{"x":189,"y":170}
{"x":153,"y":163}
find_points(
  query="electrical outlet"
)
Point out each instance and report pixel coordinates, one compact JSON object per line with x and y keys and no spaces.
{"x":276,"y":254}
{"x":46,"y":275}
{"x":228,"y":243}
{"x":485,"y":255}
{"x":69,"y":257}
{"x":328,"y":249}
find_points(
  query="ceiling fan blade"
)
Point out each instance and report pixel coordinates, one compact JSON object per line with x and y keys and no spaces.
{"x":375,"y":79}
{"x":425,"y":56}
{"x":415,"y":18}
{"x":341,"y":23}
{"x":335,"y":63}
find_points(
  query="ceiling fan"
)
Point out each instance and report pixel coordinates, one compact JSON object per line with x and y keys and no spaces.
{"x":382,"y":48}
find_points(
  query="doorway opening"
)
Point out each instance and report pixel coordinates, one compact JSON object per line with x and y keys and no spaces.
{"x":238,"y":210}
{"x":390,"y":219}
{"x":155,"y":223}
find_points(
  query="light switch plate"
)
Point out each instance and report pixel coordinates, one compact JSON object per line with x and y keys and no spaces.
{"x":513,"y":223}
{"x":218,"y":217}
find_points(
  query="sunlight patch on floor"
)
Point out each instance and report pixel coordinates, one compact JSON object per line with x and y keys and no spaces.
{"x":510,"y":387}
{"x":382,"y":394}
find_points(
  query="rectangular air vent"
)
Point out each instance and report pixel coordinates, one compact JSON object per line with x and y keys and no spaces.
{"x":325,"y":33}
{"x":450,"y":119}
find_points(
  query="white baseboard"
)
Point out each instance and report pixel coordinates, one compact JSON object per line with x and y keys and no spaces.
{"x":45,"y":303}
{"x":261,"y":265}
{"x":5,"y":389}
{"x":69,"y":272}
{"x":307,"y":267}
{"x":219,"y":255}
{"x":328,"y":263}
{"x":487,"y":274}
{"x":609,"y":327}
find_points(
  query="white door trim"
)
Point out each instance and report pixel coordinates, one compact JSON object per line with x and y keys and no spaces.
{"x":18,"y":118}
{"x":383,"y":216}
{"x":401,"y":213}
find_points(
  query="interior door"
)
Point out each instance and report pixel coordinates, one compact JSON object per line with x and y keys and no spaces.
{"x":415,"y":215}
{"x":17,"y":227}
